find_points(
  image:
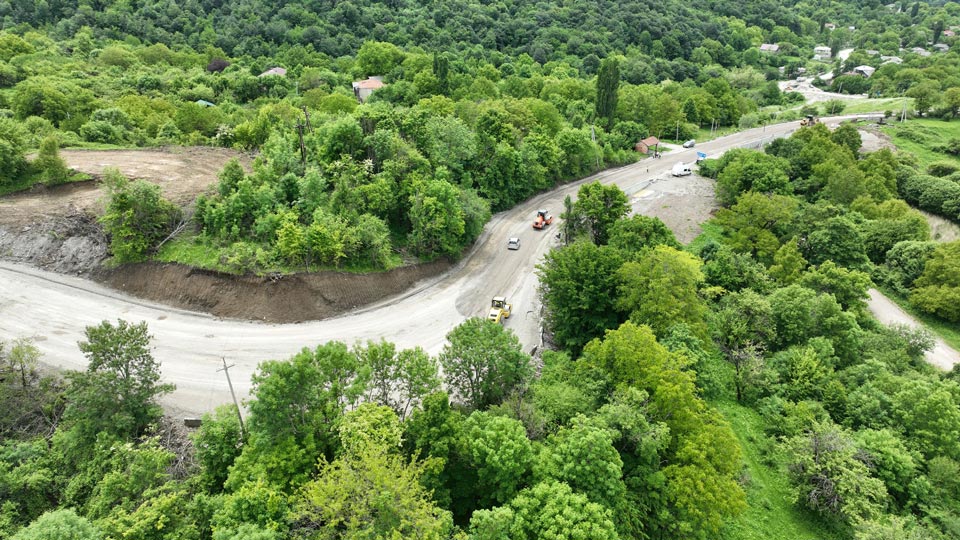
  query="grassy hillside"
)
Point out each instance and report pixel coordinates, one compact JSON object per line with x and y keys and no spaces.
{"x":771,"y":513}
{"x":920,"y":136}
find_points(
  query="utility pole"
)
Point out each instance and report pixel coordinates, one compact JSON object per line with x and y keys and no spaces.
{"x":678,"y":130}
{"x":303,"y":149}
{"x":306,"y":115}
{"x":903,"y":115}
{"x":226,"y":370}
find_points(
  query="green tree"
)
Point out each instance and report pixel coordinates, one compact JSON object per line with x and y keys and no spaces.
{"x":890,"y":460}
{"x":930,"y":416}
{"x":12,"y":148}
{"x":137,"y":217}
{"x":293,"y":417}
{"x":699,"y":487}
{"x":837,"y":239}
{"x":829,"y":479}
{"x":483,"y":362}
{"x":849,"y":287}
{"x":583,"y":457}
{"x":378,"y":58}
{"x":575,"y":284}
{"x":632,"y":235}
{"x":937,"y":290}
{"x":62,"y":524}
{"x":800,"y":314}
{"x":752,"y":171}
{"x":498,"y":449}
{"x":398,"y":379}
{"x":117,"y":392}
{"x":847,"y":136}
{"x":436,"y":218}
{"x":755,"y":224}
{"x":951,"y":100}
{"x":547,"y":510}
{"x":608,"y":82}
{"x":660,"y":290}
{"x":743,"y":328}
{"x":788,"y":263}
{"x":30,"y":403}
{"x":372,"y":494}
{"x":925,"y":94}
{"x":369,"y":427}
{"x":600,"y":207}
{"x":52,"y":168}
{"x":217,"y":444}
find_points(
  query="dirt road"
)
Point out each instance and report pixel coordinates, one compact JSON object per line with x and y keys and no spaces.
{"x":54,"y":309}
{"x":942,"y":355}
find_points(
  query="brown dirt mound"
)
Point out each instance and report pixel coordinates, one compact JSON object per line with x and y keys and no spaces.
{"x":286,"y":299}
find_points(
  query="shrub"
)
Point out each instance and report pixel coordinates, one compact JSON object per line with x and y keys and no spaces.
{"x":833,"y":106}
{"x":100,"y":131}
{"x":51,"y":166}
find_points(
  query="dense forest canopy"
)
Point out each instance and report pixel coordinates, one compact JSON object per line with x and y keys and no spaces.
{"x":615,"y":434}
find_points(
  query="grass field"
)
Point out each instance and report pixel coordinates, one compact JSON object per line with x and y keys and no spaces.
{"x":863,"y":106}
{"x":771,"y":513}
{"x":919,"y":136}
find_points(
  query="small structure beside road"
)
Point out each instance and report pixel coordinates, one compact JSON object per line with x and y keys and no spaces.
{"x":647,"y":144}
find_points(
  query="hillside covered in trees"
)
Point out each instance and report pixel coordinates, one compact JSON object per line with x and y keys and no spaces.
{"x":618,"y":431}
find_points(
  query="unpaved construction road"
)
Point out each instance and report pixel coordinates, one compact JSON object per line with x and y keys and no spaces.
{"x":54,"y":308}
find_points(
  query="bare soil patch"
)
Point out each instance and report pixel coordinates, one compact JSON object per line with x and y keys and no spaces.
{"x":275,"y":299}
{"x":682,"y":203}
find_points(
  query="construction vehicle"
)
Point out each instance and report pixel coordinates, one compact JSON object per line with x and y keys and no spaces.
{"x":499,"y":309}
{"x":809,"y":120}
{"x":542,"y":220}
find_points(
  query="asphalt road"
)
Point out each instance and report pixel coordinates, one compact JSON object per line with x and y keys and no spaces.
{"x":54,"y":309}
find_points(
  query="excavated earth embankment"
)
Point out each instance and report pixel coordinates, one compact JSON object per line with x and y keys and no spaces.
{"x":276,"y":299}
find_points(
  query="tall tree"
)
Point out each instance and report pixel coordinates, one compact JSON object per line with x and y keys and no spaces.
{"x":608,"y":82}
{"x":117,"y":392}
{"x":483,"y":362}
{"x":600,"y":206}
{"x":575,"y":284}
{"x":660,"y":290}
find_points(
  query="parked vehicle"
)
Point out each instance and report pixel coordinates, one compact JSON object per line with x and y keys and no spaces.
{"x":542,"y":220}
{"x":499,"y":309}
{"x":689,"y":144}
{"x":681,"y":169}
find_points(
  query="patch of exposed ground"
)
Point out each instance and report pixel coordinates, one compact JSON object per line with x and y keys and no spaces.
{"x":275,"y":299}
{"x":683,"y":203}
{"x":56,"y":229}
{"x":873,"y":139}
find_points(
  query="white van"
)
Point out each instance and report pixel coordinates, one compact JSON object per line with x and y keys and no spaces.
{"x":681,"y":169}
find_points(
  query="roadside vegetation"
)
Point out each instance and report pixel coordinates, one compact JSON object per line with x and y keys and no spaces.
{"x":735,"y":388}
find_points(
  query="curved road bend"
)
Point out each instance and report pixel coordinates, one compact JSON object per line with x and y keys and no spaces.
{"x":53,"y":309}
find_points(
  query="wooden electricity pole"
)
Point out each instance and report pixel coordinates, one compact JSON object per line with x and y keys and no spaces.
{"x":303,"y":149}
{"x":226,"y":371}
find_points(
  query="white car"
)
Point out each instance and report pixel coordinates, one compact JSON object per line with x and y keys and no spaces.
{"x":689,"y":144}
{"x":513,"y":243}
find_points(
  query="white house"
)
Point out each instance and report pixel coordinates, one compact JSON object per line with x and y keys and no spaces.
{"x":822,"y":53}
{"x":363,"y":89}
